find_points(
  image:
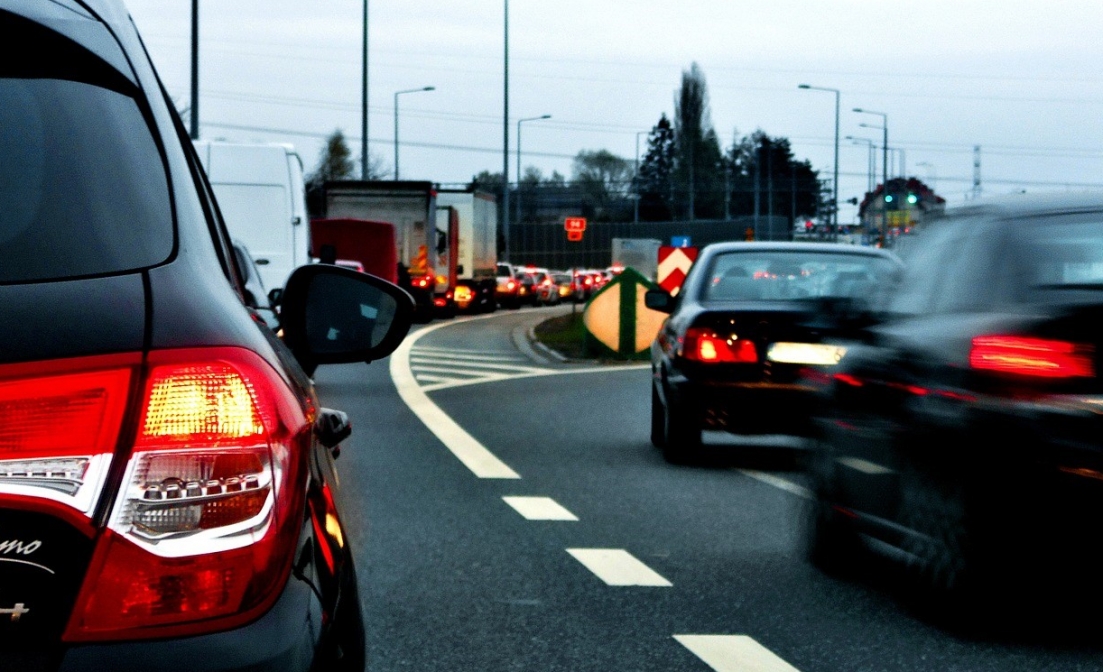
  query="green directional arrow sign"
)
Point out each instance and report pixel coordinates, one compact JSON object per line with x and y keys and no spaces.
{"x":617,"y":317}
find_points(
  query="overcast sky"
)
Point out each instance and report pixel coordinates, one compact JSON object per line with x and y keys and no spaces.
{"x":1021,"y":79}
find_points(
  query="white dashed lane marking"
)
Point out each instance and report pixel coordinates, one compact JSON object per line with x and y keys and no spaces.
{"x":539,"y":508}
{"x":618,"y":567}
{"x":734,"y":653}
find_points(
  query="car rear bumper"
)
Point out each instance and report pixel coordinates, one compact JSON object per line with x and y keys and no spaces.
{"x":747,"y":407}
{"x":285,"y":639}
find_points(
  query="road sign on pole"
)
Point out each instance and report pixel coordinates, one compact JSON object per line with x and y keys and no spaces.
{"x":674,"y":263}
{"x":574,"y":236}
{"x":574,"y":224}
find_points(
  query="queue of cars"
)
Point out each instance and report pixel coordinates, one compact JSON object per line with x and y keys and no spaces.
{"x":167,"y":481}
{"x":535,"y":286}
{"x":953,"y":404}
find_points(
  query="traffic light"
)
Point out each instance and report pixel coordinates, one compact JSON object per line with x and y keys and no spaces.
{"x":912,"y":199}
{"x":891,"y":202}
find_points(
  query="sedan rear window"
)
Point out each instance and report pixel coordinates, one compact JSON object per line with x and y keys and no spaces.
{"x":785,"y":275}
{"x":83,"y":190}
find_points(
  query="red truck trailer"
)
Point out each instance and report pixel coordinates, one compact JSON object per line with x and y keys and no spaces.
{"x":370,"y":242}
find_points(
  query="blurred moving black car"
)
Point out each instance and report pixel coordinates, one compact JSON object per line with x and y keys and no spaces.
{"x":965,"y":437}
{"x":742,"y":334}
{"x":167,"y":481}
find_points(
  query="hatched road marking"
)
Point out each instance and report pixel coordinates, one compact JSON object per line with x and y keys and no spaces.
{"x":414,"y":394}
{"x":617,"y":567}
{"x":467,"y":450}
{"x":734,"y":653}
{"x":539,"y":508}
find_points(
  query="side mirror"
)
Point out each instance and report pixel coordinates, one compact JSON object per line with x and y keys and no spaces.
{"x":335,"y":315}
{"x":660,"y":300}
{"x":275,"y":296}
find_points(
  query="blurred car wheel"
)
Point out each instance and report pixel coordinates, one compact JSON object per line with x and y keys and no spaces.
{"x":658,"y":421}
{"x":681,"y":434}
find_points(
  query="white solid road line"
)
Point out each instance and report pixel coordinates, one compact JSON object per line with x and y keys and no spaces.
{"x":539,"y":508}
{"x":734,"y":653}
{"x":617,"y":567}
{"x":467,"y":450}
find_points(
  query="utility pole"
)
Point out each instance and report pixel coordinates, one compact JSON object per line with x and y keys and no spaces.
{"x":505,"y":140}
{"x":194,"y":69}
{"x":364,"y":102}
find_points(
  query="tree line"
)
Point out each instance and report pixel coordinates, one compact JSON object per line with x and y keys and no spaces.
{"x":684,"y":174}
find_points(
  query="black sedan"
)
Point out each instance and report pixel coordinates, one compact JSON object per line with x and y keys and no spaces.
{"x":168,"y":491}
{"x":964,"y":438}
{"x":742,"y":335}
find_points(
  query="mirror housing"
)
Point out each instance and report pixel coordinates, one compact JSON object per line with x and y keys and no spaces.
{"x":335,"y":315}
{"x":275,"y":297}
{"x":660,"y":300}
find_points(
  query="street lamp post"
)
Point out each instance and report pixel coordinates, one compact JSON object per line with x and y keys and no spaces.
{"x":519,"y":122}
{"x":835,"y":202}
{"x":396,"y":95}
{"x":194,"y":70}
{"x":884,"y":165}
{"x":871,"y":164}
{"x":505,"y":134}
{"x":364,"y":100}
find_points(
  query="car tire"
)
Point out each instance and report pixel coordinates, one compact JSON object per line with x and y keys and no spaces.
{"x":829,"y":543}
{"x":349,"y":652}
{"x":681,"y":434}
{"x":943,"y":557}
{"x":658,"y":420}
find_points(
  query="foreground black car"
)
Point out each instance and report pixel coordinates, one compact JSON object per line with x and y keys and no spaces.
{"x":742,"y":335}
{"x":964,"y":437}
{"x":167,"y":481}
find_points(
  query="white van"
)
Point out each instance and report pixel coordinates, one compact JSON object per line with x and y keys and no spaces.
{"x":262,"y":195}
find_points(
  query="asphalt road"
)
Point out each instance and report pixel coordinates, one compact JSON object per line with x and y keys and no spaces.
{"x":454,"y":577}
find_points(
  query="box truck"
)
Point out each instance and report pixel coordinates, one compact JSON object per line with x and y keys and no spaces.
{"x":473,"y":245}
{"x":262,"y":196}
{"x":411,"y":207}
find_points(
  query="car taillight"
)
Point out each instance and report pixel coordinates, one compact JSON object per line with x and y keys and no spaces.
{"x":511,"y":285}
{"x":464,"y":294}
{"x":1033,"y":357}
{"x":706,"y":345}
{"x":204,"y":526}
{"x":58,"y":430}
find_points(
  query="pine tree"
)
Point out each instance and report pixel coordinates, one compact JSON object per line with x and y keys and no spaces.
{"x":654,"y":183}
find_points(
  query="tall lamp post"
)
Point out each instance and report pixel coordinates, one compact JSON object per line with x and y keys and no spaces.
{"x":194,"y":70}
{"x":505,"y":134}
{"x":396,"y":95}
{"x":871,"y":166}
{"x":364,"y":100}
{"x":519,"y":122}
{"x":835,"y":202}
{"x":884,"y":165}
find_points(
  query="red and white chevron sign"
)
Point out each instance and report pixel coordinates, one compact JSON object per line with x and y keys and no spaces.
{"x":674,"y":263}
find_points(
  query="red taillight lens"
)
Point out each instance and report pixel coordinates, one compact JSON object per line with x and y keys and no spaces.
{"x":1033,"y":357}
{"x":58,"y":431}
{"x":706,"y":345}
{"x":203,"y":529}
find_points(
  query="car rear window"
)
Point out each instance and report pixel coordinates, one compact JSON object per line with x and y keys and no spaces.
{"x":1060,"y":257}
{"x":783,"y":275}
{"x":83,"y":190}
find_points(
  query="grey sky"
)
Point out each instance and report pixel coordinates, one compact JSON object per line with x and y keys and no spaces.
{"x":1020,"y":79}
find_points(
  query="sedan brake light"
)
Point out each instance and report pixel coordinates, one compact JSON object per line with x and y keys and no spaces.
{"x":1033,"y":357}
{"x":706,"y":345}
{"x":203,"y":528}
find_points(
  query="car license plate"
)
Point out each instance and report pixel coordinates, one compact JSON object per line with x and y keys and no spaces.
{"x":820,"y":354}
